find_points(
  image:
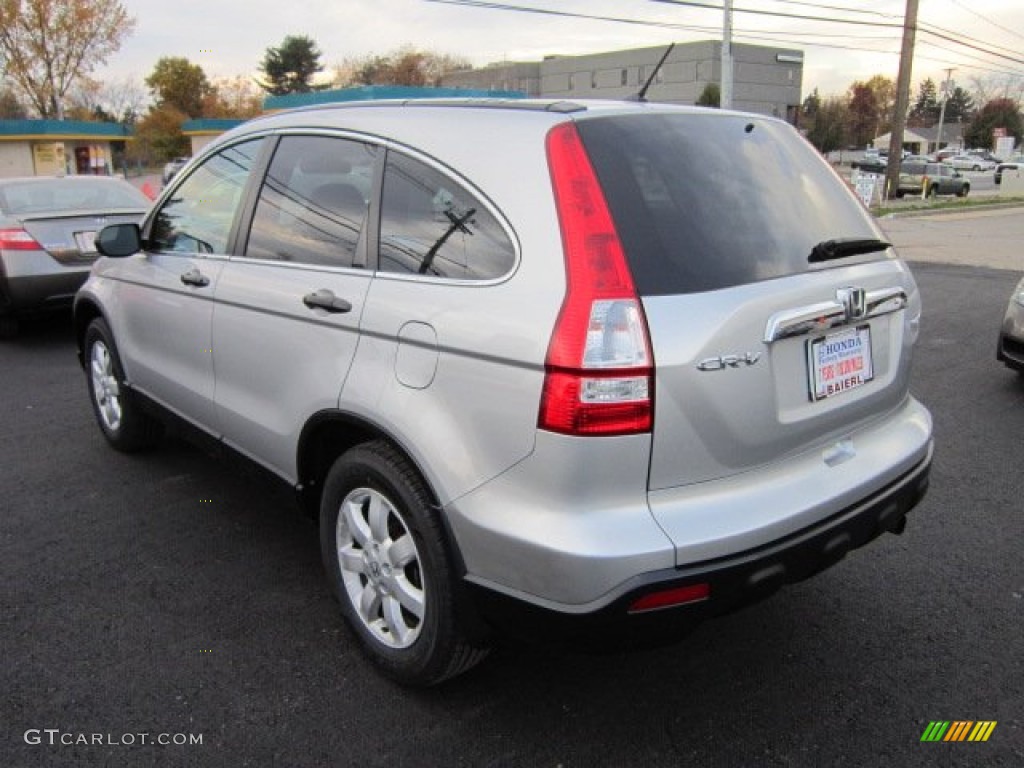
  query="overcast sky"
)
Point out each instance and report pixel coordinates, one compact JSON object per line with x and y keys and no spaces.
{"x":229,"y":37}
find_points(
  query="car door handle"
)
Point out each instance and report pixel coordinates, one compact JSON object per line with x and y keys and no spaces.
{"x":325,"y":299}
{"x":196,"y":278}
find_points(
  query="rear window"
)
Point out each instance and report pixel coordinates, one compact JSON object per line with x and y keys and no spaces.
{"x":703,"y":202}
{"x":78,"y":194}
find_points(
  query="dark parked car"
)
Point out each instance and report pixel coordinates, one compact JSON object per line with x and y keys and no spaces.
{"x":931,"y":179}
{"x":47,"y":232}
{"x":871,"y":163}
{"x":1013,"y":164}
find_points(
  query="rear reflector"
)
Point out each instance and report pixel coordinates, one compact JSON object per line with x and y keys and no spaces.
{"x":693,"y":593}
{"x":18,"y":240}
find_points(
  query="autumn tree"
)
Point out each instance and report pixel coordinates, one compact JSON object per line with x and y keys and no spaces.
{"x":47,"y":45}
{"x":863,"y":120}
{"x":884,"y":90}
{"x":158,"y":135}
{"x":998,"y":113}
{"x":11,"y":107}
{"x":180,"y":85}
{"x":406,"y":66}
{"x":235,"y":97}
{"x":291,"y":67}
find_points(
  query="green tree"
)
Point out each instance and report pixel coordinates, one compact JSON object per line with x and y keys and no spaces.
{"x":959,"y":106}
{"x":711,"y":96}
{"x":291,"y":67}
{"x":179,"y":84}
{"x":926,"y":108}
{"x":46,"y":46}
{"x":828,"y":131}
{"x":998,"y":113}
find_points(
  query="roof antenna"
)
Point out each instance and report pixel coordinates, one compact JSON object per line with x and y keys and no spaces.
{"x":642,"y":95}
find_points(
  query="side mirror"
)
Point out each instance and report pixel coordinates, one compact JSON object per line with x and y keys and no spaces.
{"x":118,"y":240}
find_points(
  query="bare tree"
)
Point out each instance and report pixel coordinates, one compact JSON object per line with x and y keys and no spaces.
{"x":986,"y":88}
{"x":47,"y":45}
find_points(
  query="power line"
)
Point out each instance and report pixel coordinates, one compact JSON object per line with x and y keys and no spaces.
{"x":986,"y":19}
{"x":750,"y":34}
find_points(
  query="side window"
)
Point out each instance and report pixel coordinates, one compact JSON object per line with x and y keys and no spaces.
{"x":431,"y":225}
{"x":197,"y":218}
{"x":313,"y":203}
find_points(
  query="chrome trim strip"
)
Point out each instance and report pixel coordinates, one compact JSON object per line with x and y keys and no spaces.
{"x":829,"y":314}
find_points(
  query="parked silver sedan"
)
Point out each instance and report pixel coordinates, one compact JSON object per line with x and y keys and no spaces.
{"x":970,"y":163}
{"x":1011,"y":336}
{"x":47,"y":232}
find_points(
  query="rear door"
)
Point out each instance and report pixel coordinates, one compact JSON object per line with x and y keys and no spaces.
{"x":289,"y":303}
{"x":761,"y":350}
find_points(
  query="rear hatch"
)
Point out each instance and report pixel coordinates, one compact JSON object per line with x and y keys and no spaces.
{"x":778,"y":319}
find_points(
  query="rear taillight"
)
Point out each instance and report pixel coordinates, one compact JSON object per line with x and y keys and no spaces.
{"x":18,"y":240}
{"x":599,"y":372}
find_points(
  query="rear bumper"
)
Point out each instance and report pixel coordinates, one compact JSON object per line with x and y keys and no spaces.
{"x":33,"y":280}
{"x":733,"y":581}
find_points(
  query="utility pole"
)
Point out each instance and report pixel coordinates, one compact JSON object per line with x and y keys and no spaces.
{"x":899,"y":119}
{"x":942,"y":110}
{"x":725,"y":101}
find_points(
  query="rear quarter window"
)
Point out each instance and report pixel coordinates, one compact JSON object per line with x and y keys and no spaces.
{"x":709,"y":201}
{"x":432,"y":226}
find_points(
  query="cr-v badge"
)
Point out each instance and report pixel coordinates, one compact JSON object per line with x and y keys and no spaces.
{"x":728,"y":361}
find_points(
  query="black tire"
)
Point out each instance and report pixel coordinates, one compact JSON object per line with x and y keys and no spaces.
{"x":933,"y":191}
{"x":899,"y":194}
{"x":963,"y":191}
{"x":976,"y":168}
{"x":398,"y":590}
{"x":126,"y":427}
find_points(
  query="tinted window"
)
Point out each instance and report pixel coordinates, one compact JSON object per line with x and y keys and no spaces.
{"x":199,"y":214}
{"x":313,"y":202}
{"x":915,"y":169}
{"x":703,"y":202}
{"x":430,"y":225}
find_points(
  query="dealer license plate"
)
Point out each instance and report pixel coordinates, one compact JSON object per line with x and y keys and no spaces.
{"x":840,"y":362}
{"x":86,"y":241}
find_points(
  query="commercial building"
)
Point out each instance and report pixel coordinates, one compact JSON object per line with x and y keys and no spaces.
{"x":765,"y":80}
{"x":58,"y":147}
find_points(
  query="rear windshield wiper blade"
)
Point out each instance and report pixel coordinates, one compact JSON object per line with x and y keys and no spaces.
{"x":846,"y":246}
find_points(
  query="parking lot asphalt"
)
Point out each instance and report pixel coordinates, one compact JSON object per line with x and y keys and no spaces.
{"x":177,"y":593}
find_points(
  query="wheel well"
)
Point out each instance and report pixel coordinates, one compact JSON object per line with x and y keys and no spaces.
{"x":327,"y":436}
{"x":85,"y":312}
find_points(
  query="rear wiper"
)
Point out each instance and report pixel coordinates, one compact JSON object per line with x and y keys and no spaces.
{"x":845,"y":246}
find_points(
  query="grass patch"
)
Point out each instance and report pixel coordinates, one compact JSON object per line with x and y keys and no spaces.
{"x":952,"y":204}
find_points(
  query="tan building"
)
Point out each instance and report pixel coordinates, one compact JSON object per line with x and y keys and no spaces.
{"x":58,"y":147}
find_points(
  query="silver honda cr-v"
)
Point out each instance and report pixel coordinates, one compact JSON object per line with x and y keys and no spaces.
{"x":576,"y":369}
